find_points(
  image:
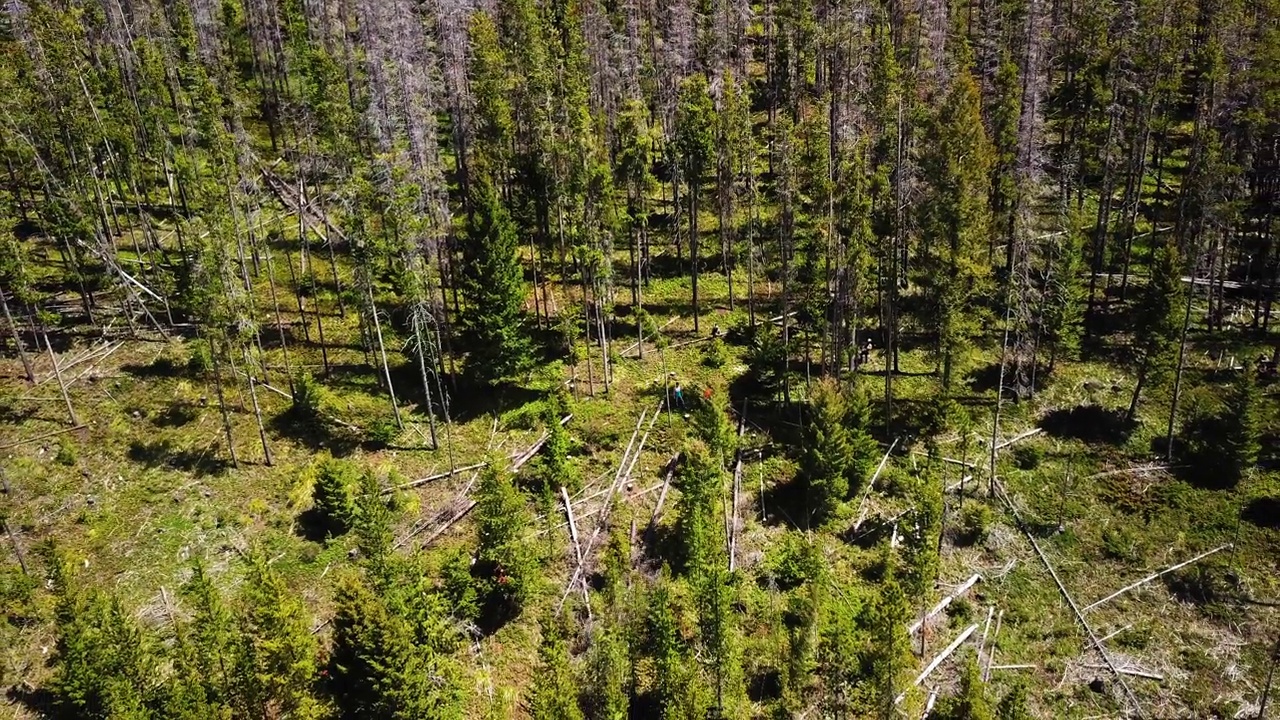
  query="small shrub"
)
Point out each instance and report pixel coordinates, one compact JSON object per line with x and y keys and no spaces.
{"x":895,"y":482}
{"x":166,"y":366}
{"x":459,"y":587}
{"x":17,"y":595}
{"x":714,"y":354}
{"x":1118,"y":544}
{"x":797,"y":562}
{"x":66,"y":453}
{"x":1027,"y":457}
{"x":309,"y":398}
{"x":200,"y":360}
{"x":975,"y":524}
{"x":961,"y":610}
{"x":382,"y":432}
{"x":525,"y":417}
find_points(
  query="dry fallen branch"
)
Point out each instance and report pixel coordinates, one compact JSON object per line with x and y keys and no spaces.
{"x":666,"y":485}
{"x":636,"y":345}
{"x":45,"y":436}
{"x":1114,"y":633}
{"x":1153,"y":576}
{"x":471,"y":504}
{"x":991,"y":654}
{"x":1142,"y":469}
{"x":1128,"y":671}
{"x":623,"y":470}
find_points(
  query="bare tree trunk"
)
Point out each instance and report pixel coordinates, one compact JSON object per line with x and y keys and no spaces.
{"x":382,"y":351}
{"x":257,"y":409}
{"x":222,"y":403}
{"x":57,"y":372}
{"x":17,"y":339}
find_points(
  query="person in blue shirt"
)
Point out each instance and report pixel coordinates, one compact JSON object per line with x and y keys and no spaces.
{"x":680,"y":395}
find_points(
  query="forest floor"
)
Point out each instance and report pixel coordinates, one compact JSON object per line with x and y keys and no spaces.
{"x":143,"y":486}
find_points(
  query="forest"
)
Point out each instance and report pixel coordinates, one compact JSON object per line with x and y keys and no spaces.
{"x":569,"y":359}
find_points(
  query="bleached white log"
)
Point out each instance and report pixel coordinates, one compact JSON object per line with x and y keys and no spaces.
{"x":944,"y":602}
{"x":939,"y":659}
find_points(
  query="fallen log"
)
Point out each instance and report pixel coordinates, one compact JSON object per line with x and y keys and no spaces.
{"x":1016,"y":438}
{"x":573,"y":534}
{"x":944,"y":602}
{"x":1139,"y":469}
{"x":1114,"y":633}
{"x":604,"y":512}
{"x":635,"y":345}
{"x":1153,"y":576}
{"x":666,"y":485}
{"x":939,"y":660}
{"x":737,"y":482}
{"x":991,"y":655}
{"x":471,"y":505}
{"x":862,"y":505}
{"x":288,"y":396}
{"x":433,"y":478}
{"x":1017,"y":516}
{"x":928,"y":706}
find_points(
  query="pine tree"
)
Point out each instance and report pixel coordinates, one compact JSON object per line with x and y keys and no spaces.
{"x":715,"y":429}
{"x":843,"y":636}
{"x":15,"y":278}
{"x":634,"y":169}
{"x":372,"y":520}
{"x":956,"y":221}
{"x":1013,"y":706}
{"x":555,"y":468}
{"x":719,"y":638}
{"x":1062,"y":314}
{"x":334,"y":494}
{"x":970,"y":703}
{"x":493,"y":287}
{"x":890,"y":659}
{"x":1243,"y":426}
{"x":694,"y":143}
{"x":1222,"y":439}
{"x":864,"y":450}
{"x":105,"y":665}
{"x":700,"y":535}
{"x":276,"y":653}
{"x":610,"y":671}
{"x":505,"y":560}
{"x":491,"y":140}
{"x":555,"y":690}
{"x":379,"y":667}
{"x":922,"y":535}
{"x":663,"y":641}
{"x":829,"y":451}
{"x":211,"y":636}
{"x":1156,"y":323}
{"x":1005,"y":193}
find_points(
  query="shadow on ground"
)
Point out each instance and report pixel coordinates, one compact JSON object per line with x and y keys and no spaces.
{"x":1090,"y":423}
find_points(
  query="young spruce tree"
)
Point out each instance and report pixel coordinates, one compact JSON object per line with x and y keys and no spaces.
{"x":494,"y":291}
